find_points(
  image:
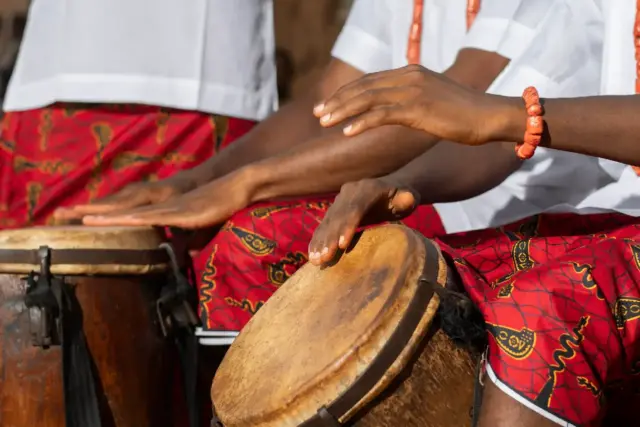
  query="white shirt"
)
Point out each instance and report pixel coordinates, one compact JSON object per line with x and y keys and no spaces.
{"x":214,"y":56}
{"x":554,"y":45}
{"x":618,"y":78}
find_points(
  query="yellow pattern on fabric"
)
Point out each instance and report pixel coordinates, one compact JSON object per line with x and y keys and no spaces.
{"x":45,"y":127}
{"x":516,"y":343}
{"x":253,"y":242}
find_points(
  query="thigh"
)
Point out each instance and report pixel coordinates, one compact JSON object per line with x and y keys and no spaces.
{"x":63,"y":155}
{"x":561,"y":312}
{"x":254,"y":253}
{"x":258,"y":249}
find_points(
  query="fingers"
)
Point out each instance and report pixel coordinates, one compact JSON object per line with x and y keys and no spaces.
{"x":334,"y":233}
{"x":370,"y":82}
{"x":108,"y":204}
{"x":358,"y":88}
{"x":375,"y":82}
{"x":378,"y":117}
{"x":155,"y":215}
{"x":343,"y":219}
{"x":338,"y":110}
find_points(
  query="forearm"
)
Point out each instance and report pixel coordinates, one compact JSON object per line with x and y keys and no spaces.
{"x":603,"y":126}
{"x":291,"y":125}
{"x":326,"y":163}
{"x":323,"y":165}
{"x":451,"y":172}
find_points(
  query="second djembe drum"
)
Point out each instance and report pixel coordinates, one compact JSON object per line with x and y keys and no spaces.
{"x":356,"y":342}
{"x":79,"y":336}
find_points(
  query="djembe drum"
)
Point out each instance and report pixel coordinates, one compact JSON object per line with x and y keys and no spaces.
{"x":356,"y":342}
{"x":79,"y":331}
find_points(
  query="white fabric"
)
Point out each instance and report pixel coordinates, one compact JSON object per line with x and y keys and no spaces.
{"x":555,"y":45}
{"x":214,"y":56}
{"x":618,"y":78}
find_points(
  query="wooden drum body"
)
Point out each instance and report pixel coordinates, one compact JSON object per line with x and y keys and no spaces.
{"x":132,"y":362}
{"x":354,"y":343}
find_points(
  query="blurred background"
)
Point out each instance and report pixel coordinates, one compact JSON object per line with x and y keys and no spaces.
{"x":305,"y":32}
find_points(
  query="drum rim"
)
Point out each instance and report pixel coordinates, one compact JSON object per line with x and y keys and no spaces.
{"x":87,"y":256}
{"x":392,"y":349}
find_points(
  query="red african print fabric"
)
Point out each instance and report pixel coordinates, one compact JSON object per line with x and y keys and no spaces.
{"x":68,"y":154}
{"x":258,"y":249}
{"x":561,"y":298}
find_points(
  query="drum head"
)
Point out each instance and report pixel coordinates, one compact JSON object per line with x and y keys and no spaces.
{"x":321,"y":330}
{"x":15,"y":244}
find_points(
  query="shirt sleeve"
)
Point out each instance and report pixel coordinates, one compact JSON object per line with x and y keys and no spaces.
{"x":365,"y":39}
{"x":555,"y":45}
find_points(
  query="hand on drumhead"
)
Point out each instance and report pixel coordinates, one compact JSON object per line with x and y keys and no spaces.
{"x":206,"y":206}
{"x":359,"y":203}
{"x":415,"y":97}
{"x":131,"y":196}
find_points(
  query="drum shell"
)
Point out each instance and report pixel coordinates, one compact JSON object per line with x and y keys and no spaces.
{"x":132,"y":360}
{"x":435,"y":390}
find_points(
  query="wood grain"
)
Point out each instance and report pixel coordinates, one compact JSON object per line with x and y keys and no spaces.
{"x":133,"y":362}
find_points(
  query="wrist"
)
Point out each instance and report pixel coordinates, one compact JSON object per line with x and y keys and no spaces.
{"x":196,"y":176}
{"x":183,"y":181}
{"x":506,"y":120}
{"x":253,"y":179}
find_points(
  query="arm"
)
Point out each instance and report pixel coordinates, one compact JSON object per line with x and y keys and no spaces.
{"x":325,"y":163}
{"x":449,"y":172}
{"x":290,"y":126}
{"x":321,"y":165}
{"x":452,"y":172}
{"x":603,"y":126}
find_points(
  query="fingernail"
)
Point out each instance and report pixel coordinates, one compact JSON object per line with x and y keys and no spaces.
{"x":326,"y":118}
{"x":341,"y":241}
{"x":318,"y":108}
{"x":347,"y":130}
{"x":313,"y":255}
{"x":325,"y":251}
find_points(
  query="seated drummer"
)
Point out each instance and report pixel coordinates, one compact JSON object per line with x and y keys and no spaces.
{"x":106,"y":93}
{"x":261,"y":245}
{"x":560,"y":293}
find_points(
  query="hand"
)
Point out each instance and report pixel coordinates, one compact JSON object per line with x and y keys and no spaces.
{"x":206,"y":206}
{"x":366,"y":201}
{"x":131,"y":196}
{"x":415,"y":97}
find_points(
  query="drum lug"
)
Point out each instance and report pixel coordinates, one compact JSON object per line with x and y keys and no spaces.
{"x":40,"y":300}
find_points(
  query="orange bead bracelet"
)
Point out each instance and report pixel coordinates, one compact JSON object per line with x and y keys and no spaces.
{"x":535,"y":124}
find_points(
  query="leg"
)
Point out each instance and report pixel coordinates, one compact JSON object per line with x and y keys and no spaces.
{"x":257,"y":250}
{"x":67,"y":154}
{"x":500,"y":410}
{"x":558,"y":295}
{"x":253,"y":254}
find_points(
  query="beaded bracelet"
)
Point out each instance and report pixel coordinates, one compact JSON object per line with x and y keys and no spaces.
{"x":535,"y":124}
